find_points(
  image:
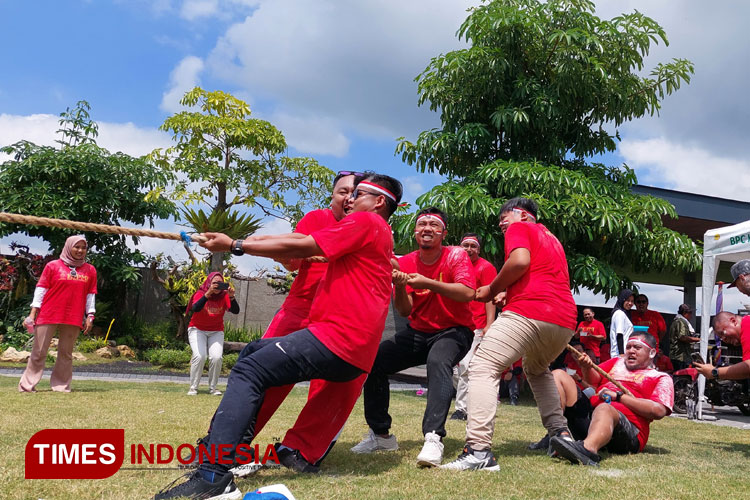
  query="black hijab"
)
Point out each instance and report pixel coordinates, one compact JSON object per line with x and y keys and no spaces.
{"x":621,"y":298}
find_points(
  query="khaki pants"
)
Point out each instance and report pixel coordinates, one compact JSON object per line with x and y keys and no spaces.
{"x":461,"y":372}
{"x":62,"y":373}
{"x":510,"y":337}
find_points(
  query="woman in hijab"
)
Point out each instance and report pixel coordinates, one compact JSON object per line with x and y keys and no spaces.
{"x":64,"y":303}
{"x":621,"y":327}
{"x":206,"y":329}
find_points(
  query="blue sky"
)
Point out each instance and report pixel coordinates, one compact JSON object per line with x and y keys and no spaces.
{"x":337,"y":78}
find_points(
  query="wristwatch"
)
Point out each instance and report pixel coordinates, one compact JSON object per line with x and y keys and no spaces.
{"x":618,"y":396}
{"x":715,"y":374}
{"x":237,"y":247}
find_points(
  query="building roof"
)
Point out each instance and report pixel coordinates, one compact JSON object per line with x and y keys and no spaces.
{"x":697,"y":214}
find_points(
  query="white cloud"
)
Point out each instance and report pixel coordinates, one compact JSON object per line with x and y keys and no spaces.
{"x":413,"y":187}
{"x":349,"y":61}
{"x":37,"y":128}
{"x":687,"y":168}
{"x":312,"y":135}
{"x":712,"y":112}
{"x":184,"y":77}
{"x":194,"y":9}
{"x":251,"y":264}
{"x":41,"y":129}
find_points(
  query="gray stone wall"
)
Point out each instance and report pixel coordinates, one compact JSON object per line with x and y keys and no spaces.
{"x":258,"y":304}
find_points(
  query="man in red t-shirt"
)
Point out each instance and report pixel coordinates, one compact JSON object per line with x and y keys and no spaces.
{"x":591,"y":332}
{"x":342,"y":337}
{"x":484,"y":315}
{"x":537,"y":321}
{"x":301,"y":449}
{"x":643,"y":316}
{"x":433,"y":289}
{"x":732,"y":329}
{"x":620,"y":422}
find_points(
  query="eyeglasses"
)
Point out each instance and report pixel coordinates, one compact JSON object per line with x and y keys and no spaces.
{"x":358,"y":192}
{"x":348,"y":172}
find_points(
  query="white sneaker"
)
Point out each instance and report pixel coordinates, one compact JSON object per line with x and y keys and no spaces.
{"x":215,"y":392}
{"x":192,"y":392}
{"x":471,"y":459}
{"x":372,"y":442}
{"x":432,"y":451}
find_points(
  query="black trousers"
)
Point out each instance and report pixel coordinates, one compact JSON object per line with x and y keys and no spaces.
{"x":294,"y":358}
{"x":441,"y":351}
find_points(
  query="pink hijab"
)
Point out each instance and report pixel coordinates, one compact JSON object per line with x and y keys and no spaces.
{"x":67,"y":254}
{"x":204,"y":288}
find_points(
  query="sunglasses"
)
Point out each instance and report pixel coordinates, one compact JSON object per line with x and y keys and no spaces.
{"x":358,"y":192}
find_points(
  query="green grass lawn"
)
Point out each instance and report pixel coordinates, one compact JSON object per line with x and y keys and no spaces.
{"x":682,"y":460}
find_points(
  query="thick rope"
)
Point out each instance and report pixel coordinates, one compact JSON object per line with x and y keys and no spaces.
{"x":601,"y":372}
{"x":96,"y":228}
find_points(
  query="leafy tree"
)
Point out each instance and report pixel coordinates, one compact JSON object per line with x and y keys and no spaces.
{"x":542,"y":87}
{"x":226,"y":159}
{"x":78,"y":180}
{"x":180,"y":280}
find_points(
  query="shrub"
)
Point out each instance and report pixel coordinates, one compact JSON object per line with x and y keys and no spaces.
{"x":12,"y":314}
{"x":240,"y":334}
{"x":17,"y":338}
{"x":228,"y":361}
{"x":168,"y":358}
{"x":142,"y":335}
{"x":90,"y":344}
{"x":128,"y":340}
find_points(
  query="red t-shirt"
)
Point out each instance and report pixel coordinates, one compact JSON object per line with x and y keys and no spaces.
{"x":543,"y":292}
{"x":65,"y":300}
{"x":591,"y":334}
{"x":604,"y":354}
{"x":572,"y":367}
{"x":309,"y":274}
{"x":432,"y":312}
{"x":663,"y":364}
{"x":745,"y":337}
{"x":652,"y":319}
{"x":648,"y":384}
{"x":349,"y":310}
{"x":211,"y":317}
{"x":484,"y":273}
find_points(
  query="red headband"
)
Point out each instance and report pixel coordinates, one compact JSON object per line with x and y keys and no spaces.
{"x":640,"y":342}
{"x":522,"y":211}
{"x":437,"y":216}
{"x":379,"y":189}
{"x":471,"y":238}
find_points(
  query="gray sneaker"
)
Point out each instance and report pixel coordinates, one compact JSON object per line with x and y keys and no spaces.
{"x":372,"y":442}
{"x":471,"y":459}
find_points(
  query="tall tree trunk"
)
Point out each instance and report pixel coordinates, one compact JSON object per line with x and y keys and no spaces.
{"x":217,"y":262}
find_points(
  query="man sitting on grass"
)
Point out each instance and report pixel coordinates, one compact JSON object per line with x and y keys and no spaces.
{"x":622,"y":426}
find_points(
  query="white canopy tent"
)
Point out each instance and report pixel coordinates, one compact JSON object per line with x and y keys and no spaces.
{"x":731,"y":243}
